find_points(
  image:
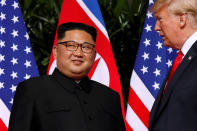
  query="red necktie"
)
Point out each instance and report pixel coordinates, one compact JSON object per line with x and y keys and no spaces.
{"x":176,"y":63}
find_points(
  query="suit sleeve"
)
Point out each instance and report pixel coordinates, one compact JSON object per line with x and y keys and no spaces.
{"x":22,"y":110}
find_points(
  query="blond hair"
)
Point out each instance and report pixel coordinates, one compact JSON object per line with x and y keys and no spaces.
{"x":178,"y":7}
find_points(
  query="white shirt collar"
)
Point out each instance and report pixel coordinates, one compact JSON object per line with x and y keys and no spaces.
{"x":189,"y":42}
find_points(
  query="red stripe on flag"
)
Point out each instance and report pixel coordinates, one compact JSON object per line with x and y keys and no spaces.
{"x":128,"y":127}
{"x":138,"y":107}
{"x":3,"y":126}
{"x":90,"y":74}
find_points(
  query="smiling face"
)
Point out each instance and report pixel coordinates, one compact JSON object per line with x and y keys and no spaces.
{"x":74,"y":64}
{"x":168,"y":27}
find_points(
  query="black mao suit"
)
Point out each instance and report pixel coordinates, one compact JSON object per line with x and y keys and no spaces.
{"x":177,"y":110}
{"x":57,"y":103}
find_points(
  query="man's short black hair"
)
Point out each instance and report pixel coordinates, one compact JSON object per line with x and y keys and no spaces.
{"x":72,"y":26}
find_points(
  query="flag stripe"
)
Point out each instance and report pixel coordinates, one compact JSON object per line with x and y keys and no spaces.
{"x":93,"y":18}
{"x":142,"y":92}
{"x":134,"y":121}
{"x":128,"y":128}
{"x":139,"y":108}
{"x":2,"y":126}
{"x":93,"y":68}
{"x":4,"y":113}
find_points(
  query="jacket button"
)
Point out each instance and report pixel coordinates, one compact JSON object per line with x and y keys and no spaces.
{"x":90,"y":117}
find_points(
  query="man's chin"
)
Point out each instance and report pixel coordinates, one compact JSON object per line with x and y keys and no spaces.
{"x":167,"y":44}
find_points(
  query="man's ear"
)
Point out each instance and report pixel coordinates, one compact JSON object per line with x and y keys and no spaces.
{"x":183,"y":20}
{"x":55,"y":51}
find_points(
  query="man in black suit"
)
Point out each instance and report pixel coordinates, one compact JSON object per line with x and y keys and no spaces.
{"x":67,"y":100}
{"x":175,"y":108}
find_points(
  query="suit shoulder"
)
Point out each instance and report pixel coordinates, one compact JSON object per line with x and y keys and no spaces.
{"x":103,"y":88}
{"x":35,"y":82}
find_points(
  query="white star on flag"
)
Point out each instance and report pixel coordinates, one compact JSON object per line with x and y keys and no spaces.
{"x":26,"y":36}
{"x":1,"y":71}
{"x":159,"y":45}
{"x":3,"y":2}
{"x":2,"y":43}
{"x":1,"y":85}
{"x":13,"y":88}
{"x":14,"y":61}
{"x":27,"y":50}
{"x":157,"y":72}
{"x":27,"y":76}
{"x":148,"y":28}
{"x":14,"y":33}
{"x":15,"y":5}
{"x":147,"y":42}
{"x":14,"y":75}
{"x":170,"y":50}
{"x":27,"y":63}
{"x":2,"y":16}
{"x":158,"y":59}
{"x":11,"y":101}
{"x":15,"y":19}
{"x":145,"y":56}
{"x":144,"y":69}
{"x":151,"y":2}
{"x":14,"y":47}
{"x":2,"y":58}
{"x":169,"y":63}
{"x":2,"y":30}
{"x":149,"y":14}
{"x":156,"y":86}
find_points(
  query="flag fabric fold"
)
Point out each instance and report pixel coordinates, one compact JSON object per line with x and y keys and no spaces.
{"x":153,"y":61}
{"x":16,"y":56}
{"x":104,"y":69}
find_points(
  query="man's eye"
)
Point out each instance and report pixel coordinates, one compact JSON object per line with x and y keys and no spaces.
{"x":71,"y":45}
{"x":160,"y":19}
{"x":86,"y":47}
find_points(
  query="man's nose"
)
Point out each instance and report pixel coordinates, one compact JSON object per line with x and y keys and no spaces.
{"x":78,"y":51}
{"x":157,"y":26}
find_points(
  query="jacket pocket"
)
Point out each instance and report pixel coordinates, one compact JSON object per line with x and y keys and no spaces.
{"x":54,"y":109}
{"x":114,"y":114}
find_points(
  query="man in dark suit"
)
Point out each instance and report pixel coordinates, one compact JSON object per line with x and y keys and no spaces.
{"x":175,"y":108}
{"x":67,"y":100}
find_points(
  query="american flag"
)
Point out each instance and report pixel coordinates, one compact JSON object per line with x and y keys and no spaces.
{"x":153,"y":61}
{"x":16,"y":57}
{"x":104,"y":69}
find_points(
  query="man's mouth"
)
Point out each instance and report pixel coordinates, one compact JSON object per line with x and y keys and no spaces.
{"x":77,"y":62}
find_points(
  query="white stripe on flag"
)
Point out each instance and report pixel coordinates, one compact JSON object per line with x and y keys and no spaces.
{"x":101,"y":74}
{"x":140,"y":89}
{"x":4,"y":113}
{"x":93,"y":18}
{"x":53,"y":66}
{"x":134,"y":121}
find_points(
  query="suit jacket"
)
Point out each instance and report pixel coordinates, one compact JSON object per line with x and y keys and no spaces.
{"x":177,"y":110}
{"x":57,"y":103}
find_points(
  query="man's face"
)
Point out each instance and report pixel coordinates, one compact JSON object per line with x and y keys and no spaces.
{"x":168,"y":27}
{"x":74,"y":64}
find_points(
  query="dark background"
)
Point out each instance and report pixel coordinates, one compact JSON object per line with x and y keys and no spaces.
{"x":123,"y":19}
